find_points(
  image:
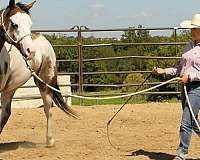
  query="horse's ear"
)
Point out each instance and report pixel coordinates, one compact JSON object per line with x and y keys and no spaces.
{"x":29,"y":6}
{"x":12,"y":3}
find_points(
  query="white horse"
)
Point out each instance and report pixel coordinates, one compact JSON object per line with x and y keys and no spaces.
{"x":17,"y":43}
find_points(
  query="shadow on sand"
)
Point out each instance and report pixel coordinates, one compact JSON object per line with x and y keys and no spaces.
{"x":154,"y":155}
{"x":4,"y":147}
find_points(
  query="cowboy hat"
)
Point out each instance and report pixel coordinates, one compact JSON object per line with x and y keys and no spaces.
{"x":194,"y":23}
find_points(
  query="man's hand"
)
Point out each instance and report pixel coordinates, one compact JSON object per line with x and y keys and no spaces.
{"x":184,"y":78}
{"x":158,"y":71}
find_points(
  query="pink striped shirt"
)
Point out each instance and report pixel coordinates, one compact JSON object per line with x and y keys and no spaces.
{"x":189,"y":64}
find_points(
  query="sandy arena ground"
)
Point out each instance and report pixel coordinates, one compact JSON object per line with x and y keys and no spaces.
{"x":147,"y":131}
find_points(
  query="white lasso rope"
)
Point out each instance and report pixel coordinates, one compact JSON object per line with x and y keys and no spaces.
{"x":106,"y":98}
{"x":123,"y":96}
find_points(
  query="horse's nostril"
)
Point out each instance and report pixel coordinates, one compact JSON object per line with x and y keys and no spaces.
{"x":28,"y":50}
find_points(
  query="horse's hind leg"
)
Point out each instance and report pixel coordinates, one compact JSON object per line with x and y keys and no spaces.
{"x":48,"y":103}
{"x":6,"y":99}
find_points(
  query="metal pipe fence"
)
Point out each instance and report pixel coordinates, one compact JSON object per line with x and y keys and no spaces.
{"x":80,"y":46}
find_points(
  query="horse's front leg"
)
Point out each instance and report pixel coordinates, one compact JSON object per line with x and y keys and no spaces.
{"x":6,"y":99}
{"x":48,"y":103}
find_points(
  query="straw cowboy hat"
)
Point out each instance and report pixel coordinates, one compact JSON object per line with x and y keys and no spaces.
{"x":194,"y":23}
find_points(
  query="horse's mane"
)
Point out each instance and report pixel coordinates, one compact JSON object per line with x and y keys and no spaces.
{"x":23,"y":7}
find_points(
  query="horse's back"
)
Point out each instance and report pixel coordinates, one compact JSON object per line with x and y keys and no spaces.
{"x":43,"y":46}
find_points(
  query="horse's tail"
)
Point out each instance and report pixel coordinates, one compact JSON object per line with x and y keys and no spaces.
{"x":59,"y":101}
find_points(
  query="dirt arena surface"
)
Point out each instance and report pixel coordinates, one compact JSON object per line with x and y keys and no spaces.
{"x":147,"y":131}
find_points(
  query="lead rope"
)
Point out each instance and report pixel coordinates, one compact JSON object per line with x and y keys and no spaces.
{"x":109,"y":122}
{"x":111,"y":119}
{"x":97,"y":98}
{"x":128,"y":95}
{"x":114,"y":97}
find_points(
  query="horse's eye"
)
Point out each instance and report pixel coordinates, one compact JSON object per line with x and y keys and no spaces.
{"x":14,"y":25}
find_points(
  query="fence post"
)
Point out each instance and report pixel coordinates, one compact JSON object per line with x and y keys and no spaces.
{"x":175,"y":38}
{"x":80,"y":61}
{"x":176,"y":50}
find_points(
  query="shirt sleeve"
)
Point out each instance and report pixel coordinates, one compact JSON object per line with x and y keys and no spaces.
{"x":171,"y":71}
{"x":174,"y":71}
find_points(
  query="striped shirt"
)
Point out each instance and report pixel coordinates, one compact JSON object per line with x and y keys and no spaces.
{"x":189,"y":64}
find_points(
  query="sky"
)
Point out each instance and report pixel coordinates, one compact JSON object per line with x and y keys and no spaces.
{"x":95,"y":14}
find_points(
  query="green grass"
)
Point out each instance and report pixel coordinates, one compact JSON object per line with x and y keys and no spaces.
{"x":76,"y":101}
{"x":115,"y":102}
{"x":134,"y":100}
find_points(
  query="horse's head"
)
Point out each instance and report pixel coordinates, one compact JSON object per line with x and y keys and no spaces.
{"x":16,"y":25}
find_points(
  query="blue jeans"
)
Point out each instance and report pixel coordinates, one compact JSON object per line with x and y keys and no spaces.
{"x":187,"y":123}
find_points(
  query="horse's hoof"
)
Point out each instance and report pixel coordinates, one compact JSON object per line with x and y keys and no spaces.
{"x":50,"y":143}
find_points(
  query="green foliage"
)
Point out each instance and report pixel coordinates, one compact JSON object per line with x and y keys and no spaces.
{"x":135,"y":35}
{"x":136,"y":78}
